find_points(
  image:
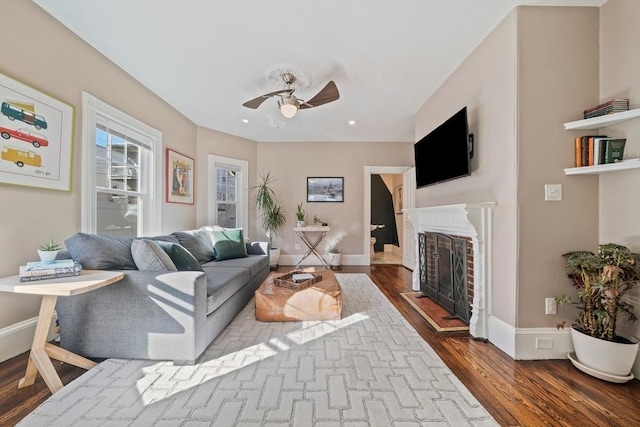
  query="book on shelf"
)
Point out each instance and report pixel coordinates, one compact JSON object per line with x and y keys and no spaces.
{"x":609,"y":107}
{"x":591,"y":150}
{"x":584,"y":149}
{"x":614,"y":150}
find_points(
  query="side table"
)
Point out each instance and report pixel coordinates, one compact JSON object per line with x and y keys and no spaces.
{"x":303,"y":233}
{"x":41,"y":351}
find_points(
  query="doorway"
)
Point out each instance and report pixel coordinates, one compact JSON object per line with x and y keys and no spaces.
{"x":383,"y":215}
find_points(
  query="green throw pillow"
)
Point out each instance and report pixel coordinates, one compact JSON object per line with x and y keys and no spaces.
{"x":228,"y":243}
{"x":181,"y":257}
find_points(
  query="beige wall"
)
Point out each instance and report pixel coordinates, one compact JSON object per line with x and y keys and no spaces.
{"x":620,"y":192}
{"x":63,"y":66}
{"x":557,"y":80}
{"x":211,"y":142}
{"x":485,"y":83}
{"x":292,"y":163}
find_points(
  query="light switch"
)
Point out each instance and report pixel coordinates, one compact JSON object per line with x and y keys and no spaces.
{"x":553,"y":192}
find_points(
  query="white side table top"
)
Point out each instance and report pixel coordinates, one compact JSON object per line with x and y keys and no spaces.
{"x":312,"y":228}
{"x":88,"y":280}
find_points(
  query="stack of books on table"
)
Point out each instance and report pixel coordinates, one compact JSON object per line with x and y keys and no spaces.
{"x":38,"y":270}
{"x":610,"y":107}
{"x":594,"y":150}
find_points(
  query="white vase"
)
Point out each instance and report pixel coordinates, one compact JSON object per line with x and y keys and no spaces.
{"x":335,"y":259}
{"x":274,"y":257}
{"x":301,"y":223}
{"x":47,"y":256}
{"x":605,"y":356}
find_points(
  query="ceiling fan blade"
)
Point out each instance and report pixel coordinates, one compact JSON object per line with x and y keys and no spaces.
{"x":256,"y":102}
{"x":329,"y":93}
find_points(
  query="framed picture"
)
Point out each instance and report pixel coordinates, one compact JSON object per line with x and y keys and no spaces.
{"x":37,"y":137}
{"x":397,"y":199}
{"x":325,"y":189}
{"x":180,"y":178}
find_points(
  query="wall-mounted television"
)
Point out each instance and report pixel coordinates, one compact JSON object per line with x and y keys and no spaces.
{"x":445,"y":153}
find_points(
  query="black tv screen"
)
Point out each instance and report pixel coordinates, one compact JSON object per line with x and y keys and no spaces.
{"x":444,"y":153}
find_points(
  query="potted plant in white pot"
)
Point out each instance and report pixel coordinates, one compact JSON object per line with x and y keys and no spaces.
{"x":272,"y":213}
{"x":602,"y":279}
{"x":300,"y":216}
{"x":335,"y":256}
{"x":48,"y":251}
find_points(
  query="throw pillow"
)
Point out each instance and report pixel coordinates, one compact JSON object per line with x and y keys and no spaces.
{"x":197,"y":242}
{"x":149,"y":256}
{"x":228,"y":244}
{"x":98,"y":252}
{"x":182,"y":258}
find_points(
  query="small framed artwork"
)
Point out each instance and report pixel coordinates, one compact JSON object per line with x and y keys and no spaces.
{"x":180,"y":178}
{"x":320,"y":189}
{"x":397,"y":199}
{"x":37,"y":137}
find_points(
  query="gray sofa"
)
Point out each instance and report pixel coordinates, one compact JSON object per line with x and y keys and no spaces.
{"x":158,"y":315}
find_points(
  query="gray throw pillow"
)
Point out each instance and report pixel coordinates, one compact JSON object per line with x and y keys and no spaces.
{"x":197,"y":242}
{"x":149,"y":256}
{"x":181,"y":257}
{"x":98,"y":252}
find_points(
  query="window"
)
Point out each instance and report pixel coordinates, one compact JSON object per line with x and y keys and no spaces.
{"x":121,"y":172}
{"x":228,"y":192}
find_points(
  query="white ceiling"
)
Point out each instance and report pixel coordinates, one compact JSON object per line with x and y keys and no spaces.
{"x":207,"y":57}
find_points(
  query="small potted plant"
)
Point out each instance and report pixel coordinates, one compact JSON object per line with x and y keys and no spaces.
{"x":300,"y":216}
{"x":318,"y":221}
{"x":602,"y":279}
{"x":48,"y":251}
{"x":335,"y":256}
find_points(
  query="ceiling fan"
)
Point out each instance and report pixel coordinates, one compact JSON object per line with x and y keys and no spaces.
{"x":289,"y":104}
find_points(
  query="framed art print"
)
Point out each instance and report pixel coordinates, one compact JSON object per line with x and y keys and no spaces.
{"x":321,"y":189}
{"x":180,"y":178}
{"x":37,"y":137}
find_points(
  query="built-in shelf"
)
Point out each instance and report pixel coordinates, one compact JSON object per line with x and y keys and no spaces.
{"x":603,"y":121}
{"x":600,"y":169}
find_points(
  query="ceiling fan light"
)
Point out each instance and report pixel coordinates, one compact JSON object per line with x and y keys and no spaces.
{"x":288,"y":110}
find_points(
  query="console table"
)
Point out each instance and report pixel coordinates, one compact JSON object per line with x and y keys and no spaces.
{"x":41,"y":351}
{"x":304,"y":234}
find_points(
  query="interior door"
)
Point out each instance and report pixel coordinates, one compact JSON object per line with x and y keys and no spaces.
{"x":409,"y":242}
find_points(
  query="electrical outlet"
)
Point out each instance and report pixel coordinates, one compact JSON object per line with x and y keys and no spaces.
{"x":552,"y":192}
{"x":550,"y":306}
{"x":297,"y":246}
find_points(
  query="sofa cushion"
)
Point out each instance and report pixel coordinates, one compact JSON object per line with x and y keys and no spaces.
{"x":98,"y":252}
{"x":149,"y":256}
{"x":228,"y":243}
{"x":222,"y":283}
{"x":197,"y":242}
{"x":181,"y":257}
{"x":254,"y":263}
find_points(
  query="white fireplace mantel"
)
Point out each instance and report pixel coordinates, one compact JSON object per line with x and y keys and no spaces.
{"x":473,"y":220}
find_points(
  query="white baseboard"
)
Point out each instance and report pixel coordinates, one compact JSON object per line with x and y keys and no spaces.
{"x":542,"y":343}
{"x":502,"y":335}
{"x":17,"y":338}
{"x":312,"y":260}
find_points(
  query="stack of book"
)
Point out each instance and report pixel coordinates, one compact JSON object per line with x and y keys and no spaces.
{"x":610,"y":107}
{"x":594,"y":150}
{"x":38,"y":270}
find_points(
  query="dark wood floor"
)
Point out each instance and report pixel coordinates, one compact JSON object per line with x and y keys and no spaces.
{"x":516,"y":393}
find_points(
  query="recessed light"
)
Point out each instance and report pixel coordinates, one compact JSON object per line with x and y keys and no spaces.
{"x":245,"y":120}
{"x":352,"y":122}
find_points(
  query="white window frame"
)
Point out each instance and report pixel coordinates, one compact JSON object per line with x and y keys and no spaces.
{"x":242,"y":202}
{"x":151,"y":218}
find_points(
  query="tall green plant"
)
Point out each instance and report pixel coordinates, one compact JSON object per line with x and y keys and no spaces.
{"x":272,"y":213}
{"x":602,"y":280}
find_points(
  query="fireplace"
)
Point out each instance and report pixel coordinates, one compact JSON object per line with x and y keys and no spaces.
{"x":446,"y":275}
{"x":473,"y":224}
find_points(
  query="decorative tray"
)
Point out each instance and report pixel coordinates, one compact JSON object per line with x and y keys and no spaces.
{"x":286,"y":280}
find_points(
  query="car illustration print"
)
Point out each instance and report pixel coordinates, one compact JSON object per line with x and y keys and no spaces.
{"x":24,"y":112}
{"x":36,"y":139}
{"x":21,"y":157}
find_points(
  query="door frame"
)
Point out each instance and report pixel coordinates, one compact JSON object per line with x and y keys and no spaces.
{"x":368,"y":171}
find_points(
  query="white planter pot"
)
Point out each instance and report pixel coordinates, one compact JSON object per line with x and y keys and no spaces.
{"x":301,"y":223}
{"x":335,"y":259}
{"x":605,"y":356}
{"x":47,"y":256}
{"x":274,"y":257}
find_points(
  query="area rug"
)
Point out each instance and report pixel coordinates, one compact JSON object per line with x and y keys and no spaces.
{"x":434,"y":314}
{"x":370,"y":368}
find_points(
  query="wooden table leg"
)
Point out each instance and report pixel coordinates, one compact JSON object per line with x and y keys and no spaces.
{"x":38,"y":359}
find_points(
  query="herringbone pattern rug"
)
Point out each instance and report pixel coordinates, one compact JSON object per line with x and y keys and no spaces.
{"x":368,"y":369}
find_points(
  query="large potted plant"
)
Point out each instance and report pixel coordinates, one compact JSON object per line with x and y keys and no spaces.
{"x":272,"y":213}
{"x":602,"y":279}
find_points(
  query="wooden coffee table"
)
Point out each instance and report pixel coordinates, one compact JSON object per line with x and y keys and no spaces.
{"x":321,"y":301}
{"x":41,"y":351}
